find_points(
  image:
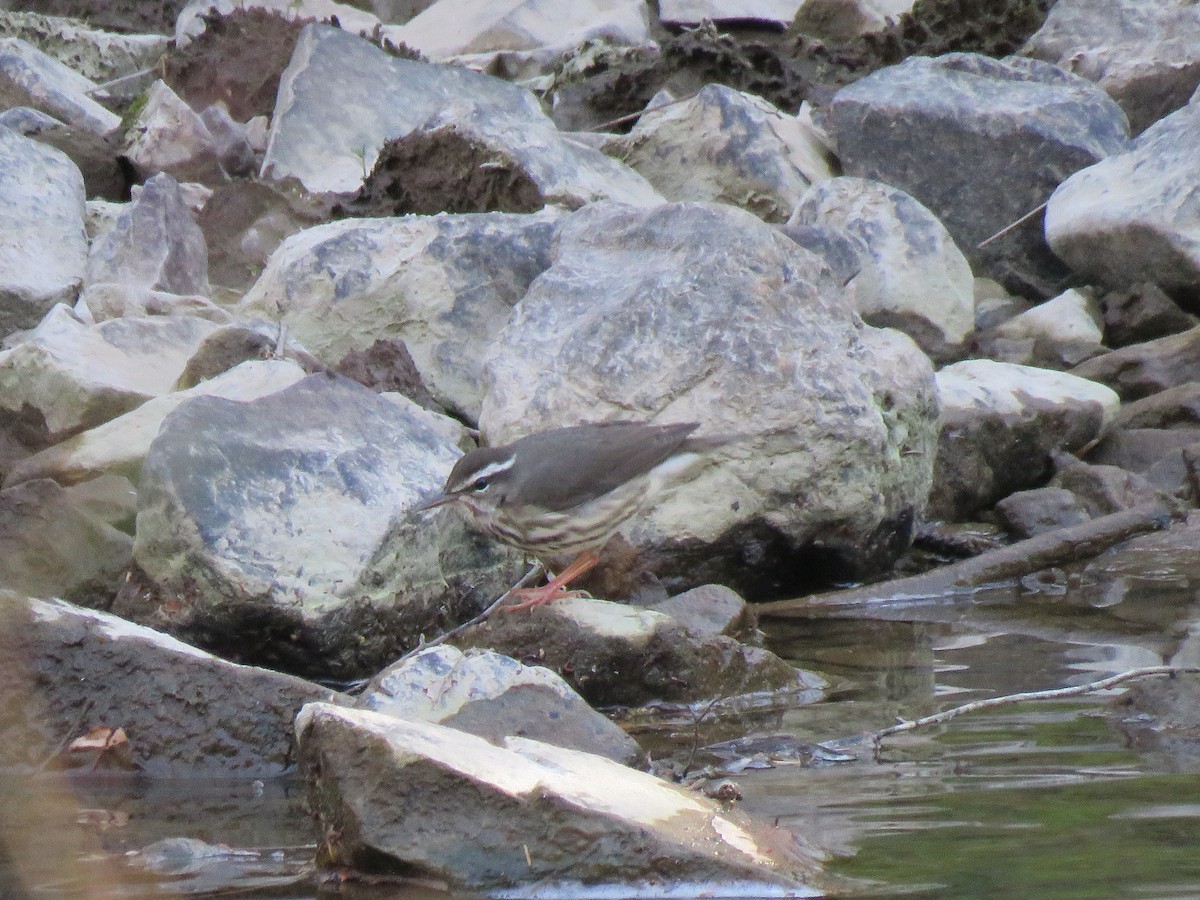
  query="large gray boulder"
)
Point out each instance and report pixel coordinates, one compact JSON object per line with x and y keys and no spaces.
{"x":437,"y":803}
{"x":705,"y":313}
{"x":281,"y":529}
{"x":44,"y":250}
{"x":1133,"y":217}
{"x":444,"y":285}
{"x":980,"y":142}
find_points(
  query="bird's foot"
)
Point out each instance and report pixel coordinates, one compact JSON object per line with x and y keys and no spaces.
{"x":528,"y":598}
{"x":556,"y":589}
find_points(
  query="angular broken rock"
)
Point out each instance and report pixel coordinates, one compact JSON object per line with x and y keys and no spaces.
{"x":444,"y":285}
{"x":1141,"y":52}
{"x":120,"y":445}
{"x":155,"y":243}
{"x":1000,"y":424}
{"x":728,"y":146}
{"x":1008,"y":132}
{"x":50,"y":547}
{"x":64,"y":669}
{"x":413,"y":798}
{"x":283,"y":529}
{"x":1141,"y":370}
{"x":494,"y":696}
{"x":44,"y":251}
{"x":460,"y":27}
{"x":619,"y":655}
{"x":28,"y":77}
{"x":913,"y":277}
{"x":1062,"y":332}
{"x":1131,"y":217}
{"x":461,"y":141}
{"x":71,"y":376}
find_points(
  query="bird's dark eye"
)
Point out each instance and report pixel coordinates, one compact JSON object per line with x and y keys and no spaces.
{"x":480,"y":485}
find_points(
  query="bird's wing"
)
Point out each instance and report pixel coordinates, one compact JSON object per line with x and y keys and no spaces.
{"x":585,"y":462}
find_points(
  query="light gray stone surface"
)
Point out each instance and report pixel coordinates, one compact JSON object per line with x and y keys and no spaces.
{"x":43,"y":254}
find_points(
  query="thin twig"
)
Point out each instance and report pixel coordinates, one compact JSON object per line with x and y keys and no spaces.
{"x":633,"y":116}
{"x":70,"y":735}
{"x":445,"y":636}
{"x":1007,"y":228}
{"x":1053,"y":694}
{"x":140,"y":73}
{"x":696,"y":722}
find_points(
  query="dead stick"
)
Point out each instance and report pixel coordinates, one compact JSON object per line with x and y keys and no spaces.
{"x":621,"y":120}
{"x":445,"y":636}
{"x":1052,"y":694}
{"x":1012,"y":225}
{"x":1053,"y":548}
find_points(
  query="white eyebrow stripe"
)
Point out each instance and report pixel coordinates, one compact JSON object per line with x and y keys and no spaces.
{"x":500,"y":465}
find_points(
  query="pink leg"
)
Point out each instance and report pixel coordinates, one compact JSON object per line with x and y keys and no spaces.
{"x":556,"y":588}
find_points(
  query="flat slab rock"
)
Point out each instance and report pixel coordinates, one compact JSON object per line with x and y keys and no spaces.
{"x":615,"y":654}
{"x":185,"y":712}
{"x":413,"y":798}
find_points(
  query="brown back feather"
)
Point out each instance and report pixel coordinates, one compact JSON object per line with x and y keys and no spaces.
{"x":578,"y":464}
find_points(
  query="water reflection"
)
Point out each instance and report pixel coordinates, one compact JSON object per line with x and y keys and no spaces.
{"x":1038,"y":800}
{"x":1047,"y":800}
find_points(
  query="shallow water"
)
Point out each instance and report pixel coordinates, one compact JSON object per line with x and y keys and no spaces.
{"x":1042,"y":800}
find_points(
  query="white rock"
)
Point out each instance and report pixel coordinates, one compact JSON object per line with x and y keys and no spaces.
{"x":1073,"y":317}
{"x":1135,"y":217}
{"x":457,"y":27}
{"x":693,"y":12}
{"x":44,"y":247}
{"x":727,"y":146}
{"x":28,"y":77}
{"x":78,"y":376}
{"x":189,"y":24}
{"x":913,"y":277}
{"x":1009,"y":388}
{"x":519,"y":796}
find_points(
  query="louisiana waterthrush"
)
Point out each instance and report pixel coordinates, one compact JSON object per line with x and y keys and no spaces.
{"x":561,"y":494}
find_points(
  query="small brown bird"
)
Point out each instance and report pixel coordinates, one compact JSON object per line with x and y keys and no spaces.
{"x":561,"y":494}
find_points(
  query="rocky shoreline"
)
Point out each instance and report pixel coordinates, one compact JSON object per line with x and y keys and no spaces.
{"x":266,"y":276}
